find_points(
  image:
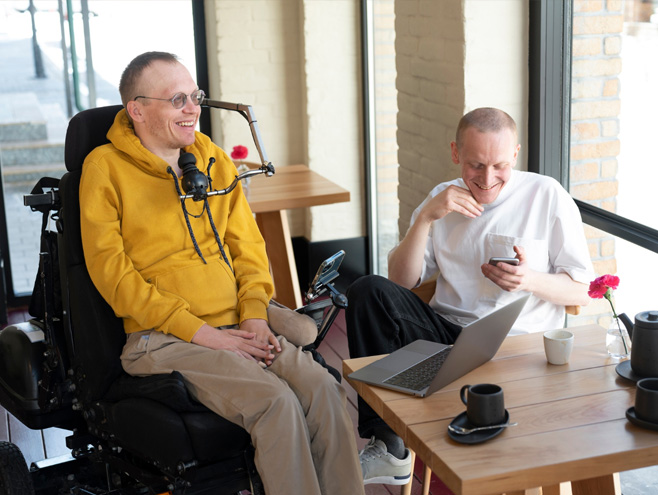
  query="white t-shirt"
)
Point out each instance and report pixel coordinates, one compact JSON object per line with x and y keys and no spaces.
{"x":532,"y":211}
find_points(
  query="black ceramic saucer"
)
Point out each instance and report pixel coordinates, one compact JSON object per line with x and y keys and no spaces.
{"x":476,"y":436}
{"x":630,"y":415}
{"x":624,"y":370}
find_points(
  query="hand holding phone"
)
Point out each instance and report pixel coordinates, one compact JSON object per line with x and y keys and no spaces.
{"x":503,"y":259}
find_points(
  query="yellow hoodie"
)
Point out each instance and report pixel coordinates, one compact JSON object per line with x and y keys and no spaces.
{"x":140,"y":254}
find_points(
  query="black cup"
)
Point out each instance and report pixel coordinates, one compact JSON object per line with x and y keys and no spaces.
{"x":485,"y":404}
{"x":646,"y":400}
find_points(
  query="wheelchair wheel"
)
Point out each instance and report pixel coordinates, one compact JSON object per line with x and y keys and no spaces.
{"x":14,"y":476}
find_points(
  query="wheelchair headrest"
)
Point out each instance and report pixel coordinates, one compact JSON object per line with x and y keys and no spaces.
{"x":86,"y":131}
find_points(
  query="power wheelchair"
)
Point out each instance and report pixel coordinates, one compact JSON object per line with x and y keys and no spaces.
{"x":129,"y":435}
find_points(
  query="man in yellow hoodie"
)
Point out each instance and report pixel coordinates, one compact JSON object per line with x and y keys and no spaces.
{"x":193,"y":293}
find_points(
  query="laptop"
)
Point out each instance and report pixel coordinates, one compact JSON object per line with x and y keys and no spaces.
{"x":423,"y":367}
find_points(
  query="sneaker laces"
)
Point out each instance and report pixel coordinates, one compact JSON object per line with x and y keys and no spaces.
{"x":373,"y":450}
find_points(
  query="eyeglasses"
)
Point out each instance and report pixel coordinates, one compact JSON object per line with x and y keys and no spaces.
{"x":180,"y":99}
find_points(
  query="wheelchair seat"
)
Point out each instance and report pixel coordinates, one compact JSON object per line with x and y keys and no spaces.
{"x":151,"y":419}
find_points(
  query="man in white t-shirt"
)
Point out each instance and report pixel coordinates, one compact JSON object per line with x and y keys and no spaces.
{"x":491,"y":211}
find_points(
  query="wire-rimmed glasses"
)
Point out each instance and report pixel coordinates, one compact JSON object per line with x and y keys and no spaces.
{"x":180,"y":99}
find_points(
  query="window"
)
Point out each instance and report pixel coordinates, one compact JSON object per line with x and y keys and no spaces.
{"x":381,"y":95}
{"x":593,"y":99}
{"x":47,"y":52}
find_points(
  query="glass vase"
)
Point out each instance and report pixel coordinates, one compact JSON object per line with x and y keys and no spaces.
{"x":617,"y":341}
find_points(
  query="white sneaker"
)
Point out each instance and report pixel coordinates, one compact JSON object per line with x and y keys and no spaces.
{"x":379,"y":466}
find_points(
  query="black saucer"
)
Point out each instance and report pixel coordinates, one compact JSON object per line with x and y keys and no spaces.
{"x":624,"y":370}
{"x":630,"y":415}
{"x":476,"y":436}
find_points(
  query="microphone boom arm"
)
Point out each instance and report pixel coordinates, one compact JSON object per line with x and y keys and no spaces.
{"x":248,"y":113}
{"x":265,"y":169}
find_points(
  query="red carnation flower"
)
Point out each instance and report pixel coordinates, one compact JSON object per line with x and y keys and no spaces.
{"x":239,"y":152}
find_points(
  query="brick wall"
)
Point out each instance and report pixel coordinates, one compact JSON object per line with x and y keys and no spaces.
{"x":595,"y":145}
{"x":429,"y":47}
{"x":453,"y":56}
{"x":333,"y":117}
{"x":297,"y":63}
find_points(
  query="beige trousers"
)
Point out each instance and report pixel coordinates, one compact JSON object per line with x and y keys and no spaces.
{"x":294,"y":410}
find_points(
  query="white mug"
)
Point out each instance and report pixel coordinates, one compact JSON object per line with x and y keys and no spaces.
{"x":558,"y":345}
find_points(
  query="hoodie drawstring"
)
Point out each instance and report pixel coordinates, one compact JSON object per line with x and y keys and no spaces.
{"x":206,"y":207}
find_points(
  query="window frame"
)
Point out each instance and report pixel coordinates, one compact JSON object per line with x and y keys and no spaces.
{"x":549,"y":116}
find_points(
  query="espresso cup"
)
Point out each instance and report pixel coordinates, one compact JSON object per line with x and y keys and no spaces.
{"x":485,"y":404}
{"x":558,"y":345}
{"x":646,"y":400}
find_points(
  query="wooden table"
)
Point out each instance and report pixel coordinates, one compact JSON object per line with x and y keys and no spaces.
{"x":293,"y":186}
{"x":572,"y":424}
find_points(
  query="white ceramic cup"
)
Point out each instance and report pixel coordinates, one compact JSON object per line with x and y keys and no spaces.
{"x":558,"y":345}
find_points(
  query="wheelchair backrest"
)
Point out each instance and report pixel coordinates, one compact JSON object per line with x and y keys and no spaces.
{"x":97,"y":333}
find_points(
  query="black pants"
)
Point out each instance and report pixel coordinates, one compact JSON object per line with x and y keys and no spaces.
{"x":382,"y":317}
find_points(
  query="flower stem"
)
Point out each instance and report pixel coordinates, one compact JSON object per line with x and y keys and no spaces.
{"x":621,"y":335}
{"x":608,"y":296}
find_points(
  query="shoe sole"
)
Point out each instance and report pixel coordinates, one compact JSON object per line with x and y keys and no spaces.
{"x":388,"y":480}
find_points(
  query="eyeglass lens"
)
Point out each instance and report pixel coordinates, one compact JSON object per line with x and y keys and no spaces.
{"x":179,"y":99}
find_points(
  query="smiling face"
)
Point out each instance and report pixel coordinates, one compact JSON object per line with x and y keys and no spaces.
{"x":486,"y":160}
{"x":161,"y":128}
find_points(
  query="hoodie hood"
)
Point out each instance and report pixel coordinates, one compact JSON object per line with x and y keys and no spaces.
{"x":122,"y":136}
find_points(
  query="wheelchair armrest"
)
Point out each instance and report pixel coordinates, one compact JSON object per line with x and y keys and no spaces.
{"x":169,"y":390}
{"x":316,"y":310}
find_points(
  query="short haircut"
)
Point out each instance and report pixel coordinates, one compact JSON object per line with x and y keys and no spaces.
{"x":484,"y":119}
{"x":130,"y":77}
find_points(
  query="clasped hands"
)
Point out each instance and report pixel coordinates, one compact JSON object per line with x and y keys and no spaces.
{"x":253,"y":340}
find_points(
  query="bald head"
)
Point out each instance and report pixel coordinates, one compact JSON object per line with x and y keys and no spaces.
{"x":129,"y":85}
{"x":485,"y":119}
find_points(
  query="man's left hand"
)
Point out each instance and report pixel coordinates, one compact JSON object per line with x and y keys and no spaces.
{"x":508,"y":277}
{"x":263,"y":334}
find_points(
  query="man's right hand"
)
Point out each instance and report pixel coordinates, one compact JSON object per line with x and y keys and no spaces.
{"x":452,"y":198}
{"x":405,"y":262}
{"x":242,"y":343}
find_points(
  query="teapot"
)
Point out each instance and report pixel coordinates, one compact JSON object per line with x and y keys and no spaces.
{"x":644,"y":335}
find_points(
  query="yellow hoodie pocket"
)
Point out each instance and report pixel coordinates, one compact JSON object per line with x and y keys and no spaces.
{"x":209,"y":289}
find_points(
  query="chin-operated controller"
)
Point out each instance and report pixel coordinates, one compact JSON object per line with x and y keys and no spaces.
{"x":193,"y":182}
{"x":196,"y":185}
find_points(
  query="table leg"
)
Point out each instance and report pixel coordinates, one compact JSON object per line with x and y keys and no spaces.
{"x":406,"y":489}
{"x":561,"y":489}
{"x":603,"y":485}
{"x":274,"y":229}
{"x":427,"y":480}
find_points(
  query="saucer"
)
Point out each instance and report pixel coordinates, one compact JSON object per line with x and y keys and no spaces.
{"x":476,"y":436}
{"x":624,"y":370}
{"x":630,"y":415}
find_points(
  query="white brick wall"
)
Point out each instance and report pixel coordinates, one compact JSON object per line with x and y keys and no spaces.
{"x":297,"y":63}
{"x":453,"y":56}
{"x":496,"y":66}
{"x":430,"y":57}
{"x":332,"y":66}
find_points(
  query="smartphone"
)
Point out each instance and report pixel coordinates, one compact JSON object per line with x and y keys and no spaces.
{"x":328,"y":270}
{"x":510,"y":261}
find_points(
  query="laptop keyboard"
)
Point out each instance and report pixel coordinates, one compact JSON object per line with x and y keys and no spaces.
{"x":420,"y":375}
